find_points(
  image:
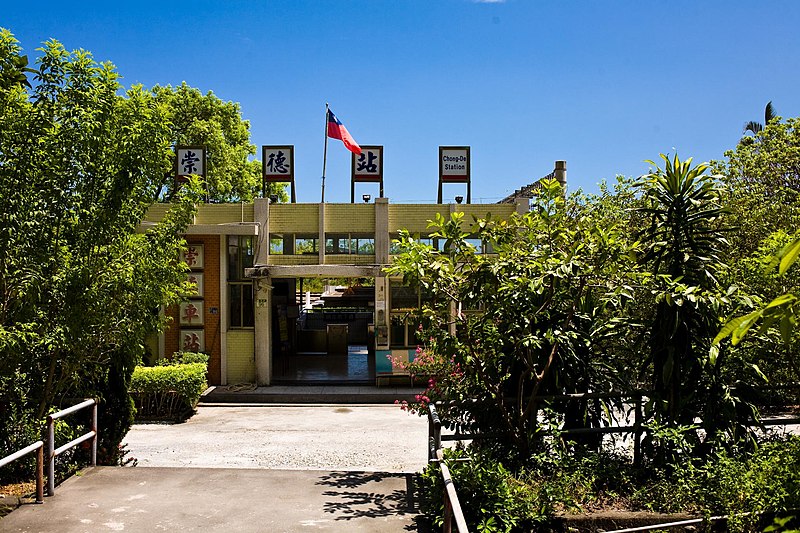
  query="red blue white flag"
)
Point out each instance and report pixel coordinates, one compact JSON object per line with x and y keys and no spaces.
{"x":336,"y":130}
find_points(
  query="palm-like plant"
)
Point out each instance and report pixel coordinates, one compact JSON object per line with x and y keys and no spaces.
{"x":755,"y":127}
{"x":683,"y":245}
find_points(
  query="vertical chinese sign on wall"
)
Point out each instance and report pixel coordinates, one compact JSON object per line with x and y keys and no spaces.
{"x":454,"y":167}
{"x":366,"y":167}
{"x":191,"y":311}
{"x":277,"y":164}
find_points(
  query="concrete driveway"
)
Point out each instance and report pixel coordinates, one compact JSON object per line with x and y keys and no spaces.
{"x":323,"y":437}
{"x":249,"y":468}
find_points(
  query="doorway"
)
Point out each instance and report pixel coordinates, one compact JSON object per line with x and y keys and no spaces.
{"x":322,"y":330}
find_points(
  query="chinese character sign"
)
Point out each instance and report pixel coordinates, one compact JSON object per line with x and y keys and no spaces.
{"x":193,"y":256}
{"x":368,"y":165}
{"x":278,"y":163}
{"x":193,"y":340}
{"x":191,"y":313}
{"x":454,"y":164}
{"x":196,"y":279}
{"x":191,"y":160}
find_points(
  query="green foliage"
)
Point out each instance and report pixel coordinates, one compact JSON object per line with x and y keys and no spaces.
{"x":768,"y":480}
{"x":167,"y":391}
{"x":203,"y":119}
{"x":81,"y":160}
{"x":533,"y":316}
{"x":185,"y":358}
{"x":684,"y":242}
{"x":488,"y":495}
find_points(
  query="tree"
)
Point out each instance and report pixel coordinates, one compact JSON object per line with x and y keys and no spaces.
{"x":531,"y":318}
{"x":756,"y":127}
{"x":80,"y":164}
{"x":204,"y":119}
{"x":684,"y":241}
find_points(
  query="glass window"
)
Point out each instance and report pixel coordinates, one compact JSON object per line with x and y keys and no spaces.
{"x":403,"y":297}
{"x":305,"y":244}
{"x":337,"y":244}
{"x":365,"y":246}
{"x":276,"y":244}
{"x":241,"y":255}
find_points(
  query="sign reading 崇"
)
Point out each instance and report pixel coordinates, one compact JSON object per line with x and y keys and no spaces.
{"x":190,"y":160}
{"x":454,"y":164}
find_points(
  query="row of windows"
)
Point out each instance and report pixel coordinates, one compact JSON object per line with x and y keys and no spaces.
{"x":348,"y":244}
{"x":295,"y":244}
{"x":241,"y":254}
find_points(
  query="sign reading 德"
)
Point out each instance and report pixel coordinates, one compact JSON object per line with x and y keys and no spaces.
{"x":277,"y":164}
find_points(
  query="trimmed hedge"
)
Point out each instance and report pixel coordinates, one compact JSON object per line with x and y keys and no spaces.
{"x":169,"y":392}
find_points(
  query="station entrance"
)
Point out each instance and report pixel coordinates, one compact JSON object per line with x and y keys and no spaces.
{"x":323,"y":330}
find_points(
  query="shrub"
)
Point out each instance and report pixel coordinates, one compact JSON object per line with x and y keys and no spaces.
{"x":486,"y":490}
{"x":167,"y":391}
{"x":185,"y":358}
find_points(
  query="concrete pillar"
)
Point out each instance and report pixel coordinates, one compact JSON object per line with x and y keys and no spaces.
{"x":261,"y":215}
{"x":523,"y":205}
{"x":382,"y":237}
{"x":382,"y":312}
{"x":263,"y":330}
{"x":561,"y":172}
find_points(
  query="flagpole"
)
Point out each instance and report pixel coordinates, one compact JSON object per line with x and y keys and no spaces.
{"x":325,"y":153}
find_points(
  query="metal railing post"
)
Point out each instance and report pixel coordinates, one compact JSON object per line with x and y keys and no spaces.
{"x":40,"y":475}
{"x":637,"y":432}
{"x":94,"y":429}
{"x":51,"y":456}
{"x":447,"y":524}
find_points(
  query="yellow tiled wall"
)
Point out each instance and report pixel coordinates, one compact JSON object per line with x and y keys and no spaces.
{"x":294,"y":218}
{"x":350,"y":218}
{"x":241,"y":363}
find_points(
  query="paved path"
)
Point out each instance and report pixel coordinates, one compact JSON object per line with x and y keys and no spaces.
{"x":249,"y":469}
{"x":108,"y":499}
{"x":325,"y":437}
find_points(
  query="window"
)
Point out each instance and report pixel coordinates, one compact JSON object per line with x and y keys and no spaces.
{"x":276,"y":244}
{"x":404,"y":313}
{"x":337,"y":244}
{"x":240,"y":289}
{"x":349,"y":244}
{"x":306,"y":244}
{"x":364,"y":245}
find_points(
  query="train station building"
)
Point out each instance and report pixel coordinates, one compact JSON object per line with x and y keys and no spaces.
{"x":296,"y":293}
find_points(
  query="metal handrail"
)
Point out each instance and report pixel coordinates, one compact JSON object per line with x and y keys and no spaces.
{"x":52,"y":452}
{"x":452,"y":506}
{"x":38,"y":448}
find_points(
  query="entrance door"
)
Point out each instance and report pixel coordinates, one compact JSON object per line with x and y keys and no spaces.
{"x":322,"y":330}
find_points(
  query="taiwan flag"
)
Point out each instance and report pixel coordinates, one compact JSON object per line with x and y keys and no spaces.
{"x":336,"y":130}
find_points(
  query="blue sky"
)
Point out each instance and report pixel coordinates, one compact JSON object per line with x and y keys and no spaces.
{"x":601,"y":84}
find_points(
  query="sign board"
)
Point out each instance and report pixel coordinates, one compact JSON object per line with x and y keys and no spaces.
{"x":454,"y":164}
{"x":366,"y":167}
{"x":196,"y":278}
{"x":193,"y":340}
{"x":190,"y":160}
{"x":277,"y":166}
{"x":454,"y":167}
{"x":278,"y":163}
{"x":193,"y":256}
{"x":191,"y":313}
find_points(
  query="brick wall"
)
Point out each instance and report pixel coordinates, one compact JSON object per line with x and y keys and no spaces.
{"x":211,"y":299}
